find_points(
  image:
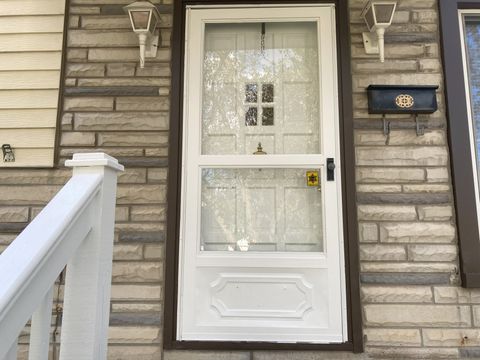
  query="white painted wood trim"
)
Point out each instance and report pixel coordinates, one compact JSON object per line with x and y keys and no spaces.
{"x":12,"y":352}
{"x":40,"y":329}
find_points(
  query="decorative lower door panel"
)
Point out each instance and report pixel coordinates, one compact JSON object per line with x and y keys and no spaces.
{"x":261,"y":247}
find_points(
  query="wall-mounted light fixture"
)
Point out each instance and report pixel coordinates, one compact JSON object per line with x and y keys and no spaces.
{"x":378,"y":16}
{"x":144,"y":17}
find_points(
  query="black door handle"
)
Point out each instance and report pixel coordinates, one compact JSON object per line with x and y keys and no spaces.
{"x":330,"y":169}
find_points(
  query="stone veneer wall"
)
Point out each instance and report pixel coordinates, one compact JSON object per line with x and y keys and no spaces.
{"x":412,"y":303}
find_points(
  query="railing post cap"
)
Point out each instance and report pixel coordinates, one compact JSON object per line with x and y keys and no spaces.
{"x":94,"y":159}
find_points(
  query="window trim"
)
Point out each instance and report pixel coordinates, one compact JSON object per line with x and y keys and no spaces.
{"x":463,"y":178}
{"x":352,"y":272}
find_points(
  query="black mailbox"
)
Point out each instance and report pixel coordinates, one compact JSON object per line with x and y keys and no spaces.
{"x":402,"y":99}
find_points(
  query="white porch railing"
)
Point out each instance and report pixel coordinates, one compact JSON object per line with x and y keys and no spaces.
{"x":74,"y":229}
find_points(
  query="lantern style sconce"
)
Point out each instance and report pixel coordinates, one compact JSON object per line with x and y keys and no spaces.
{"x":378,"y":16}
{"x":144,"y":17}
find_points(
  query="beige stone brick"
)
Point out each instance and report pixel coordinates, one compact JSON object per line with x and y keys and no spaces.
{"x":6,"y":239}
{"x":77,"y":139}
{"x":157,"y":175}
{"x":417,"y":315}
{"x":148,"y":213}
{"x":121,"y":69}
{"x":132,"y":176}
{"x":76,"y":54}
{"x":143,"y":103}
{"x":428,"y":188}
{"x":382,"y":252}
{"x":112,"y":151}
{"x":379,"y":188}
{"x":21,"y":195}
{"x":154,"y":251}
{"x":134,"y":194}
{"x":408,"y":267}
{"x":368,"y":232}
{"x":386,"y":212}
{"x":137,"y":272}
{"x":454,"y":295}
{"x":151,"y":352}
{"x":298,"y":355}
{"x":121,"y":213}
{"x":367,"y":66}
{"x":399,"y":137}
{"x":84,"y":70}
{"x":139,"y":227}
{"x":127,"y":252}
{"x":92,"y":121}
{"x":142,"y":292}
{"x":206,"y":355}
{"x":432,"y":252}
{"x":433,"y":65}
{"x":390,"y":175}
{"x":437,"y":175}
{"x":420,"y":232}
{"x":132,"y":139}
{"x":101,"y":38}
{"x":133,"y":334}
{"x":424,"y":16}
{"x":163,"y":151}
{"x":13,"y":214}
{"x":136,"y":307}
{"x":106,"y":22}
{"x":402,"y":156}
{"x":404,"y":353}
{"x":451,"y":337}
{"x":393,"y":337}
{"x":154,"y":70}
{"x":123,"y":81}
{"x":82,"y":10}
{"x":88,"y":104}
{"x":122,"y":55}
{"x":435,"y":213}
{"x":396,"y":294}
{"x":73,"y":21}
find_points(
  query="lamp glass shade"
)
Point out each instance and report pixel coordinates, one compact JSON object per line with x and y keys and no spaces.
{"x":369,"y":18}
{"x":384,"y":13}
{"x":153,"y":24}
{"x":140,"y":19}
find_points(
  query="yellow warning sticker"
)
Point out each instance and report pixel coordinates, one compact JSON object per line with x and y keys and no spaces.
{"x":312,"y":178}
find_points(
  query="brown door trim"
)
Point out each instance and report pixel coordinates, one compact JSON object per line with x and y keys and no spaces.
{"x":355,"y":336}
{"x":459,"y":144}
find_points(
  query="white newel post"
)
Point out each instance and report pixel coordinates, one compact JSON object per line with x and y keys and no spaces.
{"x":84,"y":333}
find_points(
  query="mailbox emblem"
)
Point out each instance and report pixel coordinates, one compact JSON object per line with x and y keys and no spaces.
{"x":404,"y":101}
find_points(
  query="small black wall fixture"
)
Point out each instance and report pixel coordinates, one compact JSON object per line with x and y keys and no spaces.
{"x":402,"y":99}
{"x":8,"y":155}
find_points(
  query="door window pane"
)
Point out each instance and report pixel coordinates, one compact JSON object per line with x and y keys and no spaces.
{"x":261,"y":210}
{"x":275,"y":73}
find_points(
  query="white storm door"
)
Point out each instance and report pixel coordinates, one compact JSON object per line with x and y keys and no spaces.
{"x":261,"y":247}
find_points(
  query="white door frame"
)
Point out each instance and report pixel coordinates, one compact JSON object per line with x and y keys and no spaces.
{"x":192,"y":133}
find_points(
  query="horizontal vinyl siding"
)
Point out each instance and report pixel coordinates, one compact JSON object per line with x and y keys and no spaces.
{"x":31,"y":39}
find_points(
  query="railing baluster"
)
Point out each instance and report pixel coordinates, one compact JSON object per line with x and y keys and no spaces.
{"x":12,"y":353}
{"x":40,"y":329}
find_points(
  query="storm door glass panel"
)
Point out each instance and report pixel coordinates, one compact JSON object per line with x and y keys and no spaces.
{"x":472,"y":45}
{"x":261,"y":210}
{"x":261,"y":86}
